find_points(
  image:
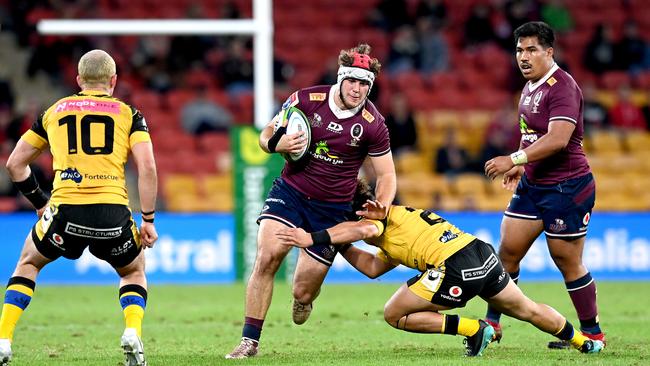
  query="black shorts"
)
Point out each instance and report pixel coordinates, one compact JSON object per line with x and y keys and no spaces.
{"x":107,"y":230}
{"x":473,"y":270}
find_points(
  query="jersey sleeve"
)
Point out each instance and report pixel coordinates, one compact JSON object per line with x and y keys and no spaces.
{"x":380,"y":142}
{"x":564,"y":104}
{"x":139,"y":129}
{"x":36,"y":135}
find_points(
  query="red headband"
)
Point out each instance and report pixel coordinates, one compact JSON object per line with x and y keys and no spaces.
{"x":361,"y":60}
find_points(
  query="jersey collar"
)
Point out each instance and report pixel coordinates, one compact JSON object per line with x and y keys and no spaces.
{"x":94,"y":93}
{"x":338,"y":112}
{"x":533,"y":86}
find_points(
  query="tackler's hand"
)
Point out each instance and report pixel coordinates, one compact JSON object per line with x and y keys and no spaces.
{"x":373,"y":210}
{"x":296,"y":237}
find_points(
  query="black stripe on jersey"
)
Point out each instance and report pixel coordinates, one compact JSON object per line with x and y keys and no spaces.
{"x":37,"y":127}
{"x":137,"y":123}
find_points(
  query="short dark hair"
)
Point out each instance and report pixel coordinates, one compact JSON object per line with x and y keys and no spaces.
{"x":541,"y":30}
{"x":361,"y":195}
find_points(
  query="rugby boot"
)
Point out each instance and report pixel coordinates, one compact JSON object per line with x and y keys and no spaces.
{"x":301,"y":312}
{"x":133,"y":348}
{"x":566,"y":345}
{"x":475,"y":344}
{"x":592,"y":346}
{"x":498,"y":333}
{"x":5,"y":352}
{"x":246,"y":348}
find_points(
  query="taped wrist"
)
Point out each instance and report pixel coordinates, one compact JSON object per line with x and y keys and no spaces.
{"x":321,"y":238}
{"x":519,"y":157}
{"x":273,"y":141}
{"x":34,"y":194}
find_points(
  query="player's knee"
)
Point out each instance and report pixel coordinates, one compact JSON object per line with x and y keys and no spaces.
{"x":266,"y":263}
{"x":392,"y":316}
{"x":303,"y":293}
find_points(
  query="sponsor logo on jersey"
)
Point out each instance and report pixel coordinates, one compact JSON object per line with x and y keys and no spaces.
{"x":551,"y":81}
{"x":367,"y":116}
{"x":482,"y":271}
{"x":356,"y":131}
{"x":322,"y":152}
{"x":455,"y":291}
{"x":334,"y":127}
{"x":447,"y":236}
{"x":536,"y":100}
{"x":88,"y":105}
{"x":91,"y":232}
{"x":527,"y":100}
{"x":291,"y":101}
{"x":71,"y":174}
{"x":585,"y":220}
{"x":101,"y":176}
{"x":317,"y":97}
{"x":558,"y":226}
{"x":523,"y":125}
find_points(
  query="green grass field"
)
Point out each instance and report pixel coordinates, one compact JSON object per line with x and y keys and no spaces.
{"x":197,"y":325}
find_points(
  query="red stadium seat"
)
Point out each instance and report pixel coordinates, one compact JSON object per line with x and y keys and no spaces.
{"x":615,"y":79}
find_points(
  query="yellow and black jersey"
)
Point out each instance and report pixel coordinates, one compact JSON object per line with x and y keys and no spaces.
{"x":417,"y":238}
{"x":90,"y":135}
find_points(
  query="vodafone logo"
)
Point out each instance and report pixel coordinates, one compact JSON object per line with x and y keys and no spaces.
{"x":57,"y":238}
{"x":585,"y":220}
{"x":455,"y":291}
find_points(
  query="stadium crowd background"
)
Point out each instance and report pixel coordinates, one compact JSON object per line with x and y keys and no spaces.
{"x":448,"y":88}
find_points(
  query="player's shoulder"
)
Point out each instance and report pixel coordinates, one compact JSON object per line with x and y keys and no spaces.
{"x":371,"y":114}
{"x":561,"y":79}
{"x":314,"y":94}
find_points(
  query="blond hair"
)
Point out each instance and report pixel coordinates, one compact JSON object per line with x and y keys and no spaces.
{"x":96,"y":67}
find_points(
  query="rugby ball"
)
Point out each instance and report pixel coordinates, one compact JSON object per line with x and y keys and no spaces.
{"x":296,"y":121}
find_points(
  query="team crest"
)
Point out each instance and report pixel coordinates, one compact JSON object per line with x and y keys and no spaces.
{"x":367,"y":116}
{"x":536,"y":100}
{"x":558,"y":226}
{"x":356,"y":131}
{"x":317,"y":97}
{"x":316,"y":120}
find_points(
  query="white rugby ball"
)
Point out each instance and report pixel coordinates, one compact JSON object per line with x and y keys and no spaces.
{"x":296,"y":121}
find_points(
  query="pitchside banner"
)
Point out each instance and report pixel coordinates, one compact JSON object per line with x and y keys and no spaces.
{"x":200,"y":248}
{"x":195,"y":248}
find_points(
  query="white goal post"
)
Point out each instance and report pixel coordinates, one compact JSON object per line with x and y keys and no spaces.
{"x":260,"y":27}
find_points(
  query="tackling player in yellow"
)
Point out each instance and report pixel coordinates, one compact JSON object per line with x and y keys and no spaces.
{"x":90,"y":135}
{"x":455,"y":267}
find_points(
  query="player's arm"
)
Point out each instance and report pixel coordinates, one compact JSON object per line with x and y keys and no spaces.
{"x":147,"y":188}
{"x":557,"y":138}
{"x":342,"y":234}
{"x":279,"y":141}
{"x":367,"y":263}
{"x":386,"y":184}
{"x":18,"y":168}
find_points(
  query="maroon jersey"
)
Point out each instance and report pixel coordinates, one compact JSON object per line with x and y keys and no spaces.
{"x":340,"y":142}
{"x":556,"y":96}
